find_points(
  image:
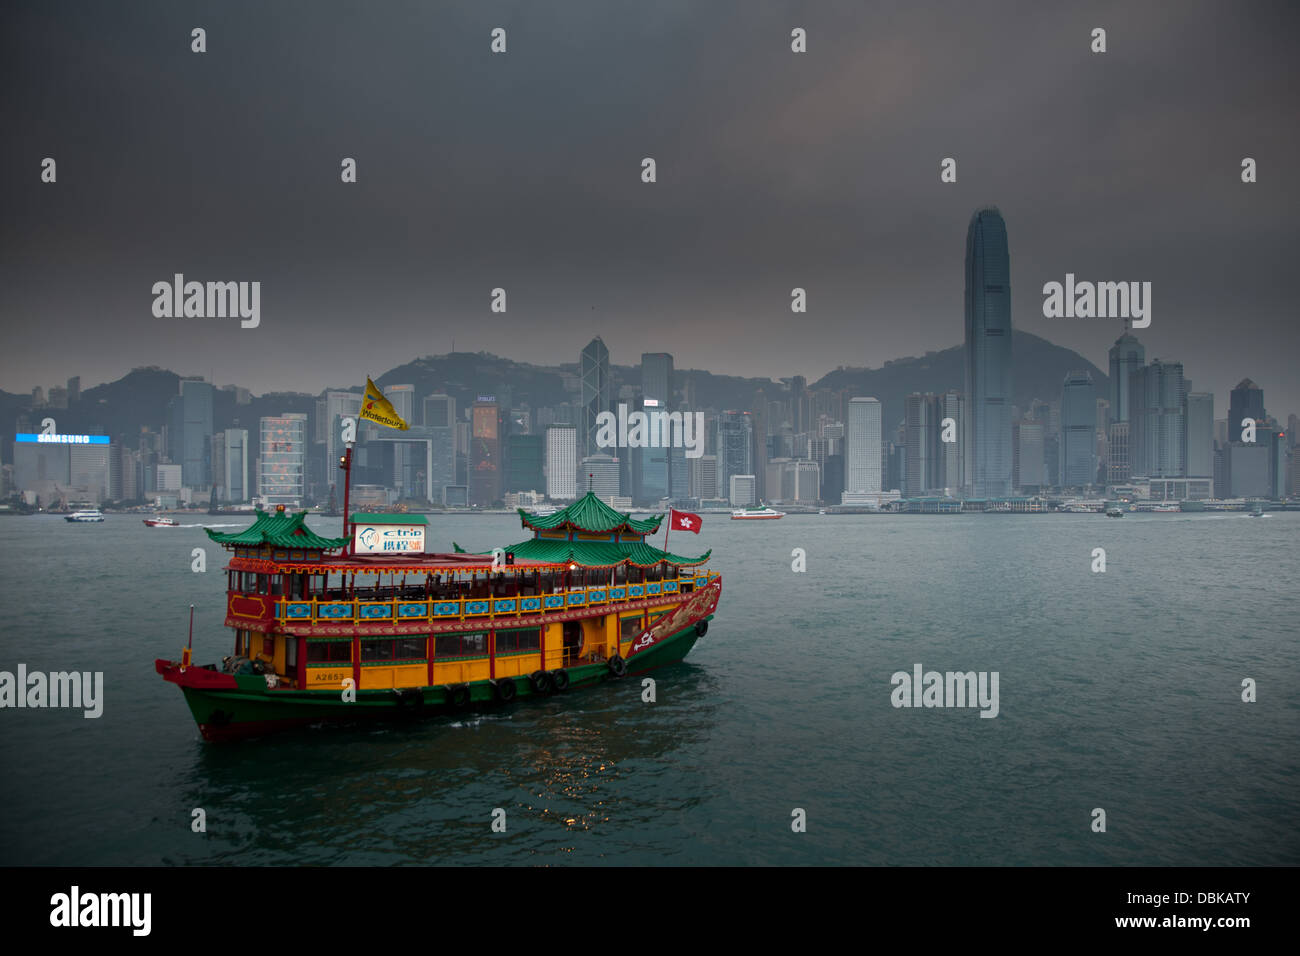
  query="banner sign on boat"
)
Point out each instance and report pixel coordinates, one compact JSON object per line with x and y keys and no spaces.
{"x":388,"y":539}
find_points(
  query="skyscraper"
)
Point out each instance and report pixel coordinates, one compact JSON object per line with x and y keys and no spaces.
{"x":1126,"y":356}
{"x":1245,"y":401}
{"x":192,"y":447}
{"x":439,"y":411}
{"x":527,"y":461}
{"x":1031,"y":471}
{"x":406,"y":461}
{"x":282,"y":463}
{"x":921,"y":437}
{"x":1200,"y":434}
{"x":235,"y":479}
{"x":735,"y":446}
{"x":442,"y":468}
{"x":597,"y":392}
{"x":952,"y":404}
{"x":704,"y":476}
{"x":331,"y":408}
{"x":656,"y":463}
{"x":988,"y":355}
{"x":561,"y":462}
{"x":1078,"y":440}
{"x":599,"y":473}
{"x":862,"y":448}
{"x":1157,"y":409}
{"x":485,"y":472}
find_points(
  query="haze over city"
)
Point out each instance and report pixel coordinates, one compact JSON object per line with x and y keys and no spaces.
{"x":522,"y":171}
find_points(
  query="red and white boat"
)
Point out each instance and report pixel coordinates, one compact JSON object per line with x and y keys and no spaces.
{"x":157,"y":521}
{"x":755,"y":514}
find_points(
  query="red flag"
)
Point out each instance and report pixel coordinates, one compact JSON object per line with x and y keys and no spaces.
{"x":684,"y":521}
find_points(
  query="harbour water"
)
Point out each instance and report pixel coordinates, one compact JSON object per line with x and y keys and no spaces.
{"x":1118,"y":690}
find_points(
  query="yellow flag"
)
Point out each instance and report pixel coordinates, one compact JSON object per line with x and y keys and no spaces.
{"x":379,"y":409}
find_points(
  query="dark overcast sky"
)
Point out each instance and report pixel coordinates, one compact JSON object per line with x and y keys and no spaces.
{"x":522,"y":170}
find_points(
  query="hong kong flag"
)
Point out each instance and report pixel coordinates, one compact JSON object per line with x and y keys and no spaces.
{"x":684,"y":521}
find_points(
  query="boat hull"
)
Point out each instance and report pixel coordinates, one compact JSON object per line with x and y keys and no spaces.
{"x":250,"y":708}
{"x":234,"y":706}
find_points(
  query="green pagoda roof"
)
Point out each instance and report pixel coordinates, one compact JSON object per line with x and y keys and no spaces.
{"x":282,"y":530}
{"x":595,"y":554}
{"x":591,"y":514}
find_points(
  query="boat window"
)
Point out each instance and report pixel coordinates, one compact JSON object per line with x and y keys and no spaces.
{"x":519,"y":640}
{"x":329,"y":652}
{"x":277,"y":583}
{"x":376,"y":650}
{"x":629,"y":627}
{"x":411,"y":648}
{"x":620,"y":574}
{"x":291,"y":655}
{"x":461,"y":645}
{"x":263,"y":583}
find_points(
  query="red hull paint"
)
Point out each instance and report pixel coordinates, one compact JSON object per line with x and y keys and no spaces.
{"x":198,"y":677}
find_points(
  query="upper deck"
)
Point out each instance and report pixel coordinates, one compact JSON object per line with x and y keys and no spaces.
{"x":585,"y":560}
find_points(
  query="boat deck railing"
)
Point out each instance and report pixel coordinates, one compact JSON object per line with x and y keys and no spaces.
{"x":416,"y":607}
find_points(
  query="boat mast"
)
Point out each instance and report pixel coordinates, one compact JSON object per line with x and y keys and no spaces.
{"x":189,"y":646}
{"x":345,"y":463}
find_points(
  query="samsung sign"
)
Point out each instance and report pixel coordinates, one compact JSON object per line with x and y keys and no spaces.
{"x":388,"y":539}
{"x":63,"y":439}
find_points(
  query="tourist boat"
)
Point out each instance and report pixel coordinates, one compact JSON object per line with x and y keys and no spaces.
{"x":372,"y":625}
{"x":753,"y":514}
{"x":1166,"y":509}
{"x":1114,"y":512}
{"x":84,"y":516}
{"x":158,"y":521}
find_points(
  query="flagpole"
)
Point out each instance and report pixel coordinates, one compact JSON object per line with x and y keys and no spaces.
{"x":669,"y":528}
{"x":347,"y":489}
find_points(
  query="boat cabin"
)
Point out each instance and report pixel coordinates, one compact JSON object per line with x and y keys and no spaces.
{"x":311,"y":612}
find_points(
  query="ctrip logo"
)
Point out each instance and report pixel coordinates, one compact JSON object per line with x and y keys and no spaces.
{"x":368,"y":537}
